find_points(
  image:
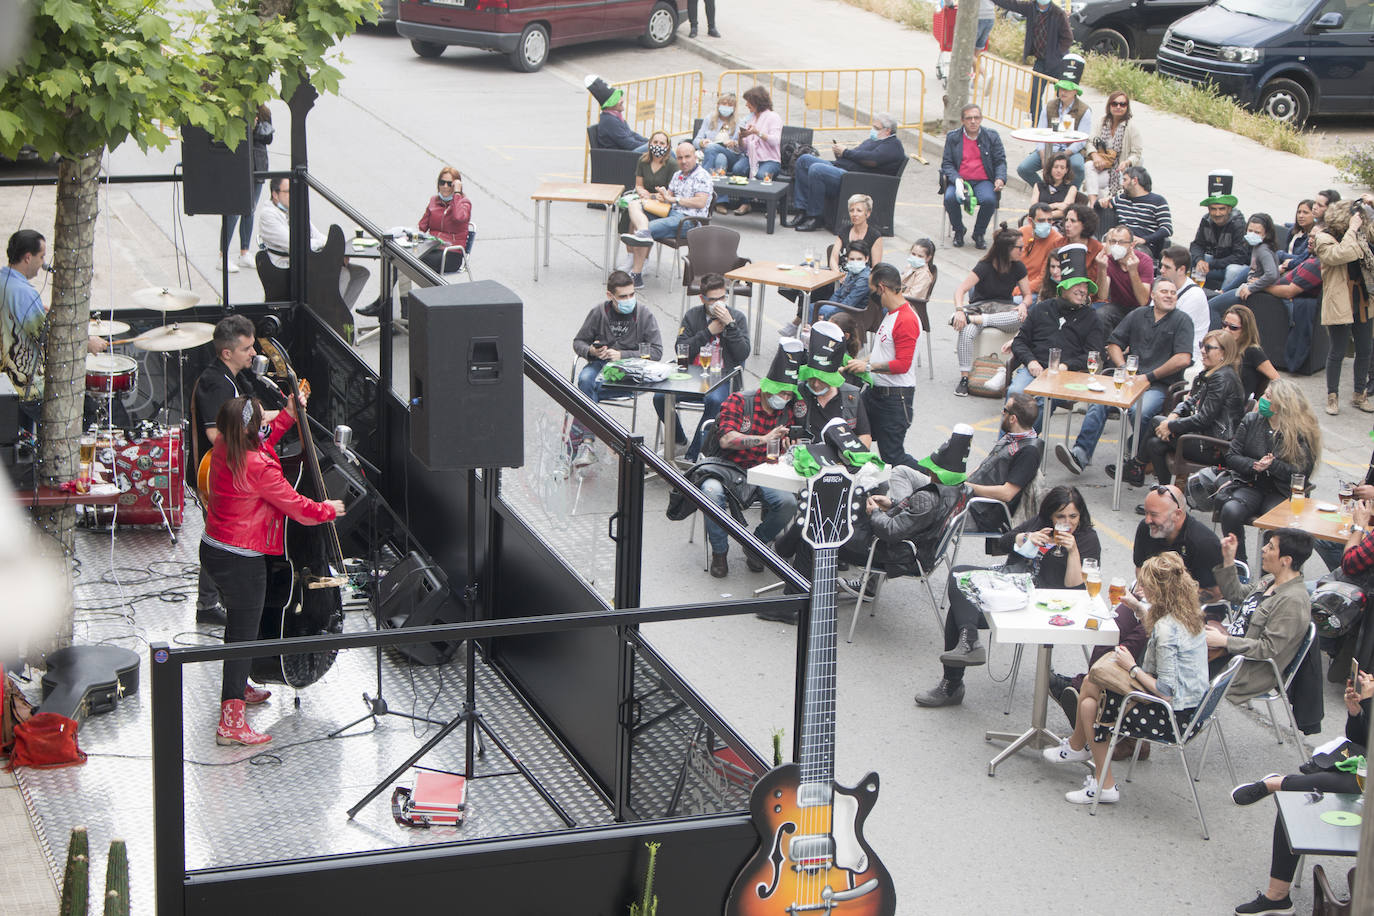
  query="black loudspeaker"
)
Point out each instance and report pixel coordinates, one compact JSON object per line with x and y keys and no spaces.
{"x":9,"y":412}
{"x":214,"y":178}
{"x":342,"y":481}
{"x":466,"y":380}
{"x":415,"y":593}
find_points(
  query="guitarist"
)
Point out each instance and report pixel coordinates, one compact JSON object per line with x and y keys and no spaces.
{"x":226,"y":377}
{"x":249,"y":500}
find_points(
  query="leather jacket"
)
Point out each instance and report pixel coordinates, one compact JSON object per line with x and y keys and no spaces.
{"x":1213,"y":407}
{"x":1254,"y":439}
{"x":251,"y":512}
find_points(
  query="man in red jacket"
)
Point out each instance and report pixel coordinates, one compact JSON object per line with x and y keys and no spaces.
{"x":892,"y":363}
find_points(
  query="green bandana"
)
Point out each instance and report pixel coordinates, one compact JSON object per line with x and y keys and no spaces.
{"x":1074,"y":281}
{"x":866,"y":376}
{"x":1350,"y":764}
{"x":771,"y":386}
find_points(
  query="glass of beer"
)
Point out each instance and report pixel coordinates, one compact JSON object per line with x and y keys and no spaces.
{"x":1298,"y":488}
{"x":1116,"y":591}
{"x":684,"y":356}
{"x":1118,"y":378}
{"x":774,"y":449}
{"x":1094,"y":362}
{"x":87,"y":449}
{"x":1092,"y":576}
{"x":1132,"y":366}
{"x":704,"y":355}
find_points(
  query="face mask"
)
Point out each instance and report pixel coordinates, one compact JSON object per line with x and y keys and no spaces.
{"x":1117,"y":252}
{"x":280,"y":206}
{"x":1253,"y":239}
{"x":658,"y":152}
{"x":1042,"y":230}
{"x":726,"y":110}
{"x":916,"y":261}
{"x":1042,"y":3}
{"x":854,"y":267}
{"x":873,"y":133}
{"x":446,"y":199}
{"x":625,"y":306}
{"x":776,"y":401}
{"x":1265,"y":408}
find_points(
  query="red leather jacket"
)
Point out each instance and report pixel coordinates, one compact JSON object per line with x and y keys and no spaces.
{"x":447,"y":221}
{"x":251,"y":513}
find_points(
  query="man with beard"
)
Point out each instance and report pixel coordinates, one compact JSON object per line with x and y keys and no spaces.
{"x":1011,"y":466}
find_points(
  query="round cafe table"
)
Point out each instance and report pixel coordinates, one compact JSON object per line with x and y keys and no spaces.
{"x":1045,"y":135}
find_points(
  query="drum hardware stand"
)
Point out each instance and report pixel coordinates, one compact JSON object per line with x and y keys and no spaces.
{"x":470,"y":717}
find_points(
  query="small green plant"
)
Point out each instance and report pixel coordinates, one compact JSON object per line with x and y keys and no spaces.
{"x":1357,"y":164}
{"x":117,"y":880}
{"x":75,"y":886}
{"x":648,"y":905}
{"x":777,"y":748}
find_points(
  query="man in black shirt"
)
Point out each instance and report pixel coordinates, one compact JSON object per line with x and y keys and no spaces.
{"x":1168,"y":526}
{"x":1010,"y":467}
{"x":825,"y":395}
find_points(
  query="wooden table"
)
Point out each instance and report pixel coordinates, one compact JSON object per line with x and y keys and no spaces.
{"x":44,"y":497}
{"x":769,"y":193}
{"x":1308,"y":834}
{"x":762,"y":274}
{"x":1032,"y":626}
{"x":577,"y":193}
{"x":1323,"y":525}
{"x":1073,"y":386}
{"x":697,"y":384}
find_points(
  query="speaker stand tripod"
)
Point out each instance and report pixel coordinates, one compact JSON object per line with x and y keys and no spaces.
{"x":478,"y":593}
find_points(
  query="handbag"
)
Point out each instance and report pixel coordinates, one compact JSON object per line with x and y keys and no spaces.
{"x":1108,"y":675}
{"x":1206,"y":488}
{"x":45,"y":741}
{"x":656,"y":208}
{"x":984,"y":371}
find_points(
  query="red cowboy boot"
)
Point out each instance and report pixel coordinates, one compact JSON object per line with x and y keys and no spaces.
{"x":233,"y":727}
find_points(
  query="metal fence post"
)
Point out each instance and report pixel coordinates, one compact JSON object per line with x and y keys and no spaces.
{"x":169,"y":812}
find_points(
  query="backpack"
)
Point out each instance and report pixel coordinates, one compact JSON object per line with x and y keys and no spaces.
{"x":791,"y":151}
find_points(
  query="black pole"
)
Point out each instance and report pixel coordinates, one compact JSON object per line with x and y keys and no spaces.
{"x":629,"y":551}
{"x":169,"y":812}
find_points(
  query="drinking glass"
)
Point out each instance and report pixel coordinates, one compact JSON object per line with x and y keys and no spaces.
{"x":1094,"y":362}
{"x":87,"y":449}
{"x":1092,"y":576}
{"x":1132,"y":366}
{"x":684,"y":356}
{"x":1116,"y":591}
{"x":1061,"y":528}
{"x":1119,"y":378}
{"x":809,"y":257}
{"x":774,"y":449}
{"x":1055,"y":356}
{"x":1298,"y":489}
{"x":704,"y":355}
{"x":1347,"y":514}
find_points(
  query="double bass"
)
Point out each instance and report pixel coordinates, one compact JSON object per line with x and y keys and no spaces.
{"x":303,"y":595}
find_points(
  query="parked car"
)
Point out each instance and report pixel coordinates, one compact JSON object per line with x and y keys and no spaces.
{"x":525,"y":30}
{"x":1286,"y":58}
{"x":1131,"y":29}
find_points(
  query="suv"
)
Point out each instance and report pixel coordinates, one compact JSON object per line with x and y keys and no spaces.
{"x":1127,"y":28}
{"x":1286,"y":58}
{"x":526,"y":29}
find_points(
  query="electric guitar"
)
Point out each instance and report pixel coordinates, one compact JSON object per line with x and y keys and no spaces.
{"x":812,"y":855}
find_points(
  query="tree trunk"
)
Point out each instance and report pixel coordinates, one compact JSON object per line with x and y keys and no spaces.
{"x":961,"y":62}
{"x":73,"y":249}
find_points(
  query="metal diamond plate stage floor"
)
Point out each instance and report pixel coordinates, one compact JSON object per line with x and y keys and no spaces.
{"x":288,"y":799}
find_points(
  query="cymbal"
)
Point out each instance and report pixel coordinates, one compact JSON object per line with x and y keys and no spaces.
{"x":163,"y":299}
{"x":105,"y":328}
{"x":182,"y":336}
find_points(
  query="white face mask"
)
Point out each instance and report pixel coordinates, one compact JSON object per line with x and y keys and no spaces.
{"x":1117,"y":252}
{"x":726,"y":110}
{"x":776,"y":401}
{"x":855,"y":267}
{"x":1252,"y":238}
{"x":916,"y":261}
{"x":1042,"y":230}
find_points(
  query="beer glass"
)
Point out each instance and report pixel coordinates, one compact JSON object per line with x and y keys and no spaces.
{"x":1298,"y":489}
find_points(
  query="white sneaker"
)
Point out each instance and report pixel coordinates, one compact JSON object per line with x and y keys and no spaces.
{"x":998,"y":379}
{"x":1090,"y":791}
{"x":246,"y":260}
{"x":585,"y":456}
{"x":1065,"y":754}
{"x":219,"y":264}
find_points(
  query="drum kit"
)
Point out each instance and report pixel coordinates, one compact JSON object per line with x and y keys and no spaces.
{"x":108,"y":373}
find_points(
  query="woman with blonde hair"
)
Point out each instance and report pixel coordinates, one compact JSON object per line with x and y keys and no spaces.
{"x":718,"y":136}
{"x":1212,"y":408}
{"x":1279,"y":438}
{"x":860,"y":229}
{"x":1174,"y":668}
{"x":1116,"y":148}
{"x":1256,"y":371}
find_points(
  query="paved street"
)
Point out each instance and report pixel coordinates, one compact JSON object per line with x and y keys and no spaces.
{"x":955,"y":840}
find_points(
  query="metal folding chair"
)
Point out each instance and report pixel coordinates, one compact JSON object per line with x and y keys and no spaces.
{"x":1280,"y":692}
{"x":1203,"y":723}
{"x":960,"y":534}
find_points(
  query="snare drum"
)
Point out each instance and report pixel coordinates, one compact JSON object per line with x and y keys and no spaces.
{"x":110,"y":372}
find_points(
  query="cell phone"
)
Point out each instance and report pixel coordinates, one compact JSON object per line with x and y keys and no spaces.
{"x":597,"y":344}
{"x":1354,"y":672}
{"x":796,"y":432}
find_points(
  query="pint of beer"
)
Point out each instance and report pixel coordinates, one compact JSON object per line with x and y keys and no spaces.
{"x":1299,"y":494}
{"x":87,"y":449}
{"x":1092,"y":578}
{"x":1116,"y":591}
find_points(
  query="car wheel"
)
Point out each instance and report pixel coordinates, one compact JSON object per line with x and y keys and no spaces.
{"x":532,"y":49}
{"x":662,"y":28}
{"x":1287,"y":101}
{"x":426,"y":49}
{"x":1109,"y":43}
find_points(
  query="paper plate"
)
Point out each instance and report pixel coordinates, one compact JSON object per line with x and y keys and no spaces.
{"x":1326,"y":507}
{"x":679,"y":376}
{"x":1342,"y":818}
{"x":1094,"y":386}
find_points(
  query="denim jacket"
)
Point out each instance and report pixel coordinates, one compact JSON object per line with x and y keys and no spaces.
{"x":1178,"y":660}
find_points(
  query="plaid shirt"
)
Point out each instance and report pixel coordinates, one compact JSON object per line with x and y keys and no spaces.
{"x":748,"y":418}
{"x":1359,"y":559}
{"x":1307,"y":275}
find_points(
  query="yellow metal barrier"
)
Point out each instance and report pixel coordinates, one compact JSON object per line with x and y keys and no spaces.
{"x":832,"y":100}
{"x":669,"y":102}
{"x":1002,"y":90}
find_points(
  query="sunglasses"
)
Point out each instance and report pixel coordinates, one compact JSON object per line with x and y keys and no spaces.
{"x":1210,"y":346}
{"x":1231,"y":327}
{"x":445,"y":183}
{"x":1118,"y":104}
{"x":1165,"y":491}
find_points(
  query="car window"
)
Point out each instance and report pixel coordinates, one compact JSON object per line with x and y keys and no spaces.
{"x":1358,"y":15}
{"x":1278,"y":10}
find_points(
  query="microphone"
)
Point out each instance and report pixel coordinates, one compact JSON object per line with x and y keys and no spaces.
{"x":260,"y":370}
{"x":343,"y":438}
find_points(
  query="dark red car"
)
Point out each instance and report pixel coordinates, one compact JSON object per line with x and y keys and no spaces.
{"x":525,"y":30}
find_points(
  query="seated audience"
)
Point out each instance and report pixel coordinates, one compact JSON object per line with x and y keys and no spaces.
{"x":1126,"y":274}
{"x":717,"y":139}
{"x":814,"y":180}
{"x":1299,"y":234}
{"x":998,"y":295}
{"x":1055,"y":559}
{"x":853,"y":289}
{"x":1039,"y":241}
{"x":274,"y":233}
{"x":1174,"y":668}
{"x":1080,"y":228}
{"x":824,"y":391}
{"x":1192,"y":301}
{"x":1068,"y":101}
{"x":1212,"y":408}
{"x":1320,"y":775}
{"x":1262,"y":273}
{"x":712,"y":323}
{"x":974,"y":165}
{"x":1256,"y":371}
{"x":760,"y":140}
{"x":653,"y":171}
{"x":1272,"y":613}
{"x":918,"y":281}
{"x":447,"y":217}
{"x":1116,"y":148}
{"x":1161,"y":340}
{"x":1279,"y":438}
{"x":1320,"y":201}
{"x":1011,"y":466}
{"x":1142,"y":211}
{"x":611,"y":130}
{"x":859,"y":230}
{"x":1056,"y":187}
{"x":688,"y":194}
{"x":1218,"y":250}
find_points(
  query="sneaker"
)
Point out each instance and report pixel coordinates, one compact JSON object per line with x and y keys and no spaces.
{"x":639,"y":280}
{"x":1065,"y":754}
{"x":788,"y":617}
{"x":1251,"y":792}
{"x":640,"y":238}
{"x":998,"y":379}
{"x":1133,"y":473}
{"x":1263,"y":906}
{"x":754,"y":562}
{"x":1361,"y":401}
{"x":585,"y":455}
{"x":1057,"y":684}
{"x":1068,"y":459}
{"x":1068,"y":701}
{"x":246,"y":260}
{"x":967,"y":652}
{"x":1333,"y":403}
{"x":212,"y":616}
{"x":944,"y":693}
{"x":233,"y":267}
{"x":851,"y":588}
{"x":961,"y":389}
{"x":1090,"y":792}
{"x":720,"y":566}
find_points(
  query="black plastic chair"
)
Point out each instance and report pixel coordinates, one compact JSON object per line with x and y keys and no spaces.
{"x":882,"y":188}
{"x":611,"y":166}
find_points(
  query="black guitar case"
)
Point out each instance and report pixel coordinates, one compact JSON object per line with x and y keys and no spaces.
{"x":83,"y":680}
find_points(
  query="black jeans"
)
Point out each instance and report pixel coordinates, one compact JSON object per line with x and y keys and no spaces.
{"x":889,"y":417}
{"x":710,"y":13}
{"x":1283,"y":862}
{"x":1340,"y":342}
{"x":242,"y":584}
{"x":963,"y":614}
{"x":1243,"y":506}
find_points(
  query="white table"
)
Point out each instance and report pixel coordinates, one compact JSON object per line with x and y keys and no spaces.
{"x":782,"y":476}
{"x":1032,"y":626}
{"x":1049,"y":137}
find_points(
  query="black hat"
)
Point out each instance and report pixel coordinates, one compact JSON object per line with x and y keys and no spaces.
{"x":782,"y":375}
{"x":604,"y":94}
{"x":826,"y":356}
{"x":949,"y":462}
{"x":1220,"y":184}
{"x":840,"y":435}
{"x":1072,"y":74}
{"x":1073,"y":267}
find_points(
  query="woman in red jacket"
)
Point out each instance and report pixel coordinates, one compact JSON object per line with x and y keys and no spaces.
{"x":246,"y":521}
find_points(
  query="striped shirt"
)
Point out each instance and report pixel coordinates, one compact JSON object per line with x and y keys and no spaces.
{"x":1146,"y":216}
